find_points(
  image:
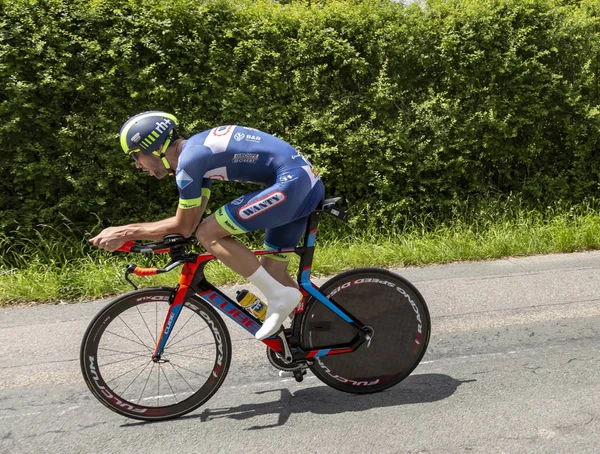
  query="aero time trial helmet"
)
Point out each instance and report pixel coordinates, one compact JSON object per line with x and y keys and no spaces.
{"x":145,"y":132}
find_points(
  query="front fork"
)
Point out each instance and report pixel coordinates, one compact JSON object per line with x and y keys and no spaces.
{"x":172,"y":315}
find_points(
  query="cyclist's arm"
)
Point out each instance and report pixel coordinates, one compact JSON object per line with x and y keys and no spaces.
{"x":186,"y":220}
{"x":184,"y":223}
{"x":193,"y":198}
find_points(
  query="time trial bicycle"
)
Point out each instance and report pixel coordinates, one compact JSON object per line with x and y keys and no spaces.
{"x":161,"y":352}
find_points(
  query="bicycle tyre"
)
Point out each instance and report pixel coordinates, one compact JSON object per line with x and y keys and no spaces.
{"x":134,"y":321}
{"x":391,"y":306}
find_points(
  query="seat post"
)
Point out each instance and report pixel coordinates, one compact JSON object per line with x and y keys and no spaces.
{"x":307,"y":251}
{"x":308,"y":248}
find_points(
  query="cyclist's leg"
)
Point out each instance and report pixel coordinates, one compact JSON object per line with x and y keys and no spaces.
{"x":281,"y":298}
{"x":216,"y":232}
{"x":285,"y":236}
{"x":228,"y":250}
{"x":293,"y":196}
{"x":238,"y":257}
{"x":277,"y":264}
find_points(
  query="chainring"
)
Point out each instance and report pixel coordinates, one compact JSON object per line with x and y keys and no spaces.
{"x":277,"y":362}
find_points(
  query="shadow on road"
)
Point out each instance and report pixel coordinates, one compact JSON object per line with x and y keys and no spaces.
{"x":325,"y":400}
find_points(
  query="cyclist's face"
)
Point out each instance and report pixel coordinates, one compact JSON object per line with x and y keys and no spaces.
{"x":151,"y":164}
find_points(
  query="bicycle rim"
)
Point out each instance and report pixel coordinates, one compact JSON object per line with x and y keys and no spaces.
{"x":117,"y":349}
{"x":386,"y":303}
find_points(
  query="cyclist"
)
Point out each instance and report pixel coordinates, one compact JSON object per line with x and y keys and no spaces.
{"x":292,"y":190}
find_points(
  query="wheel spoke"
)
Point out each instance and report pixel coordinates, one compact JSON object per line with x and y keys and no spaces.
{"x":169,"y":383}
{"x":186,"y":369}
{"x":125,"y":359}
{"x":189,"y":356}
{"x":179,"y":373}
{"x":127,"y":339}
{"x":137,"y":337}
{"x":145,"y":364}
{"x":187,"y":348}
{"x":145,"y":324}
{"x":146,"y":384}
{"x":158,"y":387}
{"x":187,"y":337}
{"x":121,"y":352}
{"x":123,"y":392}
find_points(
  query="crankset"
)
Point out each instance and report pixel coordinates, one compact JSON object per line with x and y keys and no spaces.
{"x":298,"y":370}
{"x":278,"y":362}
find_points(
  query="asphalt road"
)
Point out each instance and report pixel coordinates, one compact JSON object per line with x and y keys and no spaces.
{"x":513,"y":366}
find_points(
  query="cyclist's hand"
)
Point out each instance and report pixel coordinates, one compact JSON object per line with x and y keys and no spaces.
{"x":111,"y":239}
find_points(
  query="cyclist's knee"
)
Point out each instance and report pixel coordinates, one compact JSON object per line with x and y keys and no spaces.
{"x":209,"y":231}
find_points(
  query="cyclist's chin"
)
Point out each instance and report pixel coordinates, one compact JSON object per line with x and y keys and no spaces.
{"x":158,"y":174}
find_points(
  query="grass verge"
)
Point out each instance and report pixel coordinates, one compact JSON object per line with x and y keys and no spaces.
{"x":45,"y":276}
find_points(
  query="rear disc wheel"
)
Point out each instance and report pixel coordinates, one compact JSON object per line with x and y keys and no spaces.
{"x":396,"y":318}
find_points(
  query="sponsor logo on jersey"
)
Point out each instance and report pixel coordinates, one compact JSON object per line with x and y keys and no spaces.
{"x":222,"y":130}
{"x":252,"y":138}
{"x":218,"y":138}
{"x":260,"y":206}
{"x":301,"y":156}
{"x":183,"y":179}
{"x":239,"y":136}
{"x":238,"y":201}
{"x":219,"y":173}
{"x":286,"y":178}
{"x":249,"y":158}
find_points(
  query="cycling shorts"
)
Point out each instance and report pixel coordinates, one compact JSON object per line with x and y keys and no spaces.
{"x":281,"y":209}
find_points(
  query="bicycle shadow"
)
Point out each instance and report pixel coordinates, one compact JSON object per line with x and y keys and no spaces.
{"x":325,"y":400}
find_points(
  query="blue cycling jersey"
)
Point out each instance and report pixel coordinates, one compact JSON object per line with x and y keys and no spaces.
{"x":292,"y":188}
{"x":233,"y":153}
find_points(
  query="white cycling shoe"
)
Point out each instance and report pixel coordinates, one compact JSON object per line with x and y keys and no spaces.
{"x":277,"y":311}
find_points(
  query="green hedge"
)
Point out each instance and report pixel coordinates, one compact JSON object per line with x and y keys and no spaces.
{"x":406,"y":111}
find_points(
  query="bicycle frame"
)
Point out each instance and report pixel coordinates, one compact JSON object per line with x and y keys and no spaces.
{"x":193,"y":281}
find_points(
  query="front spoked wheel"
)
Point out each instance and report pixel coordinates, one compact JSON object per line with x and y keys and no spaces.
{"x":395,"y":315}
{"x":117,"y":349}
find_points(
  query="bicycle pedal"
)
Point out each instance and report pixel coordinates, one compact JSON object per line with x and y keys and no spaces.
{"x":299,"y":374}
